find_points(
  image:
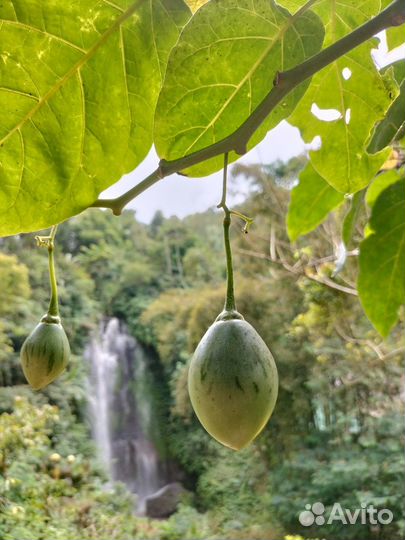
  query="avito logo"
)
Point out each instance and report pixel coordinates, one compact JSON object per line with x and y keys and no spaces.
{"x":366,"y":514}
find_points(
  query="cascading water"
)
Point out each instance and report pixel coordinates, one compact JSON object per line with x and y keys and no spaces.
{"x":122,"y":419}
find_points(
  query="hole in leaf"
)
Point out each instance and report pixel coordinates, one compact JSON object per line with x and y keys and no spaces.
{"x":326,"y":115}
{"x":347,"y":116}
{"x":346,"y":73}
{"x":315,"y":144}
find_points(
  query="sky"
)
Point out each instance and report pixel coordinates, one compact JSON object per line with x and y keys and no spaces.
{"x":180,"y":196}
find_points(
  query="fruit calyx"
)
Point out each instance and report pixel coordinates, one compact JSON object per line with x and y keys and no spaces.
{"x":229,"y":315}
{"x":51,"y":319}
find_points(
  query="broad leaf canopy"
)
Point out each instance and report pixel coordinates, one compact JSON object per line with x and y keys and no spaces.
{"x":78,"y":87}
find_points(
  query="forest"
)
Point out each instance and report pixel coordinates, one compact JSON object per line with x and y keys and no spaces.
{"x":337,"y":430}
{"x":237,"y":373}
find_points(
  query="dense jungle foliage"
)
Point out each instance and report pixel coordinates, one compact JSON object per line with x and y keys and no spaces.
{"x":336,"y":434}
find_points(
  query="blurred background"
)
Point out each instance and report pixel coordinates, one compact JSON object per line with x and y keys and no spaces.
{"x":113,"y":449}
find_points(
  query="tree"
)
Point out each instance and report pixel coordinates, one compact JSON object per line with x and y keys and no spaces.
{"x":88,"y":88}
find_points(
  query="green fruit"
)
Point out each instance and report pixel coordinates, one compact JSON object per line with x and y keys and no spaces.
{"x":233,"y":381}
{"x":45,"y":353}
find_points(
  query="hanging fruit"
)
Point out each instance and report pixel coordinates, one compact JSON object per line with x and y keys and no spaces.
{"x":45,"y":353}
{"x":232,"y":380}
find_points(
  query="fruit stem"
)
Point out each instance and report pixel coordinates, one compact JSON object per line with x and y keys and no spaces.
{"x":53,"y":303}
{"x":230,"y":295}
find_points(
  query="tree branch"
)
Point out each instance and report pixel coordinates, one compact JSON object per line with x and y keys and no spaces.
{"x":364,"y":342}
{"x":299,"y":271}
{"x":284,"y":83}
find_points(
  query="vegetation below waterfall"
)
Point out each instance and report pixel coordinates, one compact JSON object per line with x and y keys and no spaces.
{"x":336,"y":434}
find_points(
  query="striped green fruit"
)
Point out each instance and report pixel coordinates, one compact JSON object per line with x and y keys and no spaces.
{"x":233,"y":381}
{"x":45,"y":353}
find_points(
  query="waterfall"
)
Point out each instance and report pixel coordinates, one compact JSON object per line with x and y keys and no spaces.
{"x":122,"y":409}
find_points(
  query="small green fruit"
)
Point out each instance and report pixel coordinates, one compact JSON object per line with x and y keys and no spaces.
{"x":233,"y":381}
{"x":45,"y":353}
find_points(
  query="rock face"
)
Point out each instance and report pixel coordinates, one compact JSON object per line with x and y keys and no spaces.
{"x":164,"y":502}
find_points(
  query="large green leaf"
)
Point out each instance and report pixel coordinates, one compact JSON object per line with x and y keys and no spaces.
{"x":360,"y":96}
{"x":311,"y":201}
{"x":379,"y":184}
{"x":392,"y":126}
{"x":396,"y":36}
{"x":79,"y":83}
{"x":222,"y":68}
{"x":381,"y":281}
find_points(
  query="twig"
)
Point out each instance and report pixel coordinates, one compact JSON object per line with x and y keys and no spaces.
{"x":299,"y":271}
{"x":366,"y":342}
